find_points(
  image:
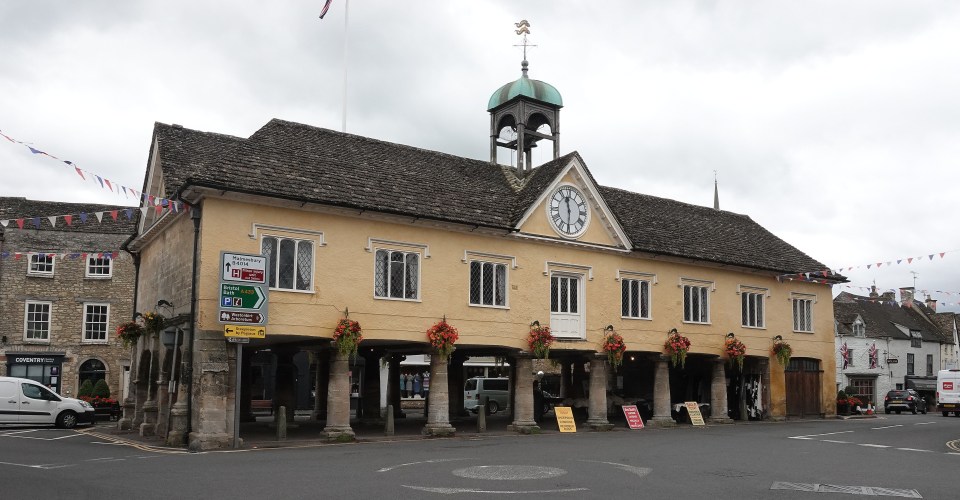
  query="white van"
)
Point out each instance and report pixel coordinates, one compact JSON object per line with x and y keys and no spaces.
{"x":496,"y":390}
{"x":948,"y":392}
{"x":26,"y":402}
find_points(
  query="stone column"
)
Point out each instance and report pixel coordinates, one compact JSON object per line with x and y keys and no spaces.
{"x":597,"y":416}
{"x":163,"y":395}
{"x":320,"y":385}
{"x":718,"y":394}
{"x":523,"y":421}
{"x":285,"y":382}
{"x":370,"y":392}
{"x":130,"y":403}
{"x":661,"y":394}
{"x":455,"y":385}
{"x":338,"y":399}
{"x":566,"y":378}
{"x":178,"y":413}
{"x":773,"y":378}
{"x":393,"y":384}
{"x":150,"y":407}
{"x":438,"y":415}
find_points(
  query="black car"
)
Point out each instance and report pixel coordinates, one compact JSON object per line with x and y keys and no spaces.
{"x":907,"y":399}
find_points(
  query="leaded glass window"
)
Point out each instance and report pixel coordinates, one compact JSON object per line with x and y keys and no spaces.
{"x":290,"y":263}
{"x":396,"y":274}
{"x":488,"y":284}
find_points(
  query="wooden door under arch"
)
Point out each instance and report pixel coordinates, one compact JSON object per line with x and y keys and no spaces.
{"x":802,"y":381}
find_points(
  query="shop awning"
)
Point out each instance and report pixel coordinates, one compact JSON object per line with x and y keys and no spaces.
{"x":920,"y":384}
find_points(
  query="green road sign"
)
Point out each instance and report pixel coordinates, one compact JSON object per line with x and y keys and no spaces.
{"x":241,"y":296}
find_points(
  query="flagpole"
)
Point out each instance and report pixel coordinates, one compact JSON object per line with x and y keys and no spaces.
{"x":346,"y":37}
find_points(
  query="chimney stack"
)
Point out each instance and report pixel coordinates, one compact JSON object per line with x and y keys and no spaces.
{"x":873,"y":292}
{"x":931,"y":303}
{"x":906,"y":296}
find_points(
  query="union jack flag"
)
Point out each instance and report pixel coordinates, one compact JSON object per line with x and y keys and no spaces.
{"x":844,"y":353}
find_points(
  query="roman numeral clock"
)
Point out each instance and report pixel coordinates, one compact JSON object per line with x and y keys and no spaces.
{"x":568,"y":211}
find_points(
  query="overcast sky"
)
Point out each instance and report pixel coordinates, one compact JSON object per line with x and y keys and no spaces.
{"x":834,"y":124}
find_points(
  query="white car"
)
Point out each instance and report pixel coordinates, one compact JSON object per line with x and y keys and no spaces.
{"x":26,"y":402}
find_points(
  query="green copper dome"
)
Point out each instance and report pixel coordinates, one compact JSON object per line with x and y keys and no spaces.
{"x":534,"y":89}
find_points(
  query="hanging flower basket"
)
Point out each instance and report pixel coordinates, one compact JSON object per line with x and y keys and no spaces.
{"x":540,"y":340}
{"x":347,"y":336}
{"x":614,"y":346}
{"x":677,"y":346}
{"x":782,"y":350}
{"x":735,"y":350}
{"x":442,"y":337}
{"x":152,"y":322}
{"x":129,"y":332}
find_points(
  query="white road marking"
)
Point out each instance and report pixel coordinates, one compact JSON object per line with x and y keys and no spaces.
{"x":924,"y":423}
{"x":875,"y":445}
{"x":454,"y":491}
{"x":834,"y":441}
{"x":98,"y":459}
{"x":41,"y":466}
{"x":808,"y":436}
{"x":387,"y":469}
{"x":914,"y":449}
{"x":887,"y":427}
{"x":45,"y":439}
{"x":639,"y":471}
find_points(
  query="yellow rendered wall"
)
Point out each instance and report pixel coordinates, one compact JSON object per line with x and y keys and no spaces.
{"x":344,"y":274}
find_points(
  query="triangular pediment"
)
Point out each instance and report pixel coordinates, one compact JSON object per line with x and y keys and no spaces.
{"x":570,"y":209}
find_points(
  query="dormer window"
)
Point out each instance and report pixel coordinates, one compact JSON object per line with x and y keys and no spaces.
{"x":858,"y":329}
{"x":915,"y":338}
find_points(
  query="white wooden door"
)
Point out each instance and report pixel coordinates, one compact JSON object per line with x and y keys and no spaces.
{"x":566,"y":306}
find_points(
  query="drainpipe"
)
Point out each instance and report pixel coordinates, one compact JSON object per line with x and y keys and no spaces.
{"x":195,"y":216}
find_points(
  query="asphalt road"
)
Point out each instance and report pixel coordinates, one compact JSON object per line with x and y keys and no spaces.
{"x":891,"y":456}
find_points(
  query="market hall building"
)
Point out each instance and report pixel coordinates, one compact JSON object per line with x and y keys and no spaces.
{"x":402,"y":237}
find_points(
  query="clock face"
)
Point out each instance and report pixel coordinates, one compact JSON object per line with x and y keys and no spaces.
{"x":568,"y":211}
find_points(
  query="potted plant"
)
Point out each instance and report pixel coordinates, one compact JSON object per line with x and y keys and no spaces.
{"x":614,"y":346}
{"x":442,"y":338}
{"x":735,"y":350}
{"x":152,"y":322}
{"x":129,"y":332}
{"x":347,"y":336}
{"x":781,"y":350}
{"x":540,"y":339}
{"x":677,"y":346}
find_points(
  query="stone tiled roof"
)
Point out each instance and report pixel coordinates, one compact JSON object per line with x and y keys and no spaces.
{"x":14,"y":208}
{"x":880,"y":318}
{"x":298,"y":162}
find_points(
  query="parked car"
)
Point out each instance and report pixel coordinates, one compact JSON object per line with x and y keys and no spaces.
{"x":496,"y":390}
{"x":906,"y":399}
{"x":24,"y":401}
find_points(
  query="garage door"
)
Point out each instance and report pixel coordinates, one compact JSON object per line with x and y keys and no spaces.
{"x":803,"y":387}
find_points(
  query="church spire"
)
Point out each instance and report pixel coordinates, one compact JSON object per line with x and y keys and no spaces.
{"x":716,"y":192}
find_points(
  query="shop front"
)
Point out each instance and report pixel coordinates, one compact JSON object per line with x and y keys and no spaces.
{"x":45,"y":368}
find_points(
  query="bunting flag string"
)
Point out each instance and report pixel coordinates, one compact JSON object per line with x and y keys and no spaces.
{"x":917,"y":293}
{"x":72,"y":255}
{"x":813,"y":275}
{"x":83,"y":217}
{"x":103,"y":182}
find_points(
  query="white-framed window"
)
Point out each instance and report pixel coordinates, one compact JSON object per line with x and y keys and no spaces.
{"x":488,"y":283}
{"x":802,"y":314}
{"x":99,"y":267}
{"x":41,"y":264}
{"x":95,"y":320}
{"x":290,"y":263}
{"x":859,"y":330}
{"x":564,"y":294}
{"x":396,"y":275}
{"x":696,"y":300}
{"x":635,"y":298}
{"x":752,"y":308}
{"x":36,"y":321}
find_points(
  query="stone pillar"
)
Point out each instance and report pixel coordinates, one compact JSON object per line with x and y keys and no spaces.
{"x":178,"y":413}
{"x":370,"y":392}
{"x":212,"y":417}
{"x":523,"y":421}
{"x":455,"y":387}
{"x":597,"y":416}
{"x":718,"y":394}
{"x":393,"y":384}
{"x":320,"y":386}
{"x":338,"y":399}
{"x":285,"y":382}
{"x":163,"y":401}
{"x":512,"y":391}
{"x":150,"y":408}
{"x":773,"y":379}
{"x":438,"y":415}
{"x":661,"y":394}
{"x":130,"y":402}
{"x":566,"y":378}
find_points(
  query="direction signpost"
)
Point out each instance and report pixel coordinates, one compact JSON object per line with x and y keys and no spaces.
{"x":244,"y":292}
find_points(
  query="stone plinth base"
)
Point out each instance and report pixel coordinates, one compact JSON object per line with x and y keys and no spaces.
{"x":439,"y":430}
{"x":600,"y":426}
{"x":339,"y":434}
{"x":125,"y":424}
{"x":661,"y":422}
{"x":720,"y":420}
{"x":524,"y":428}
{"x":203,"y":442}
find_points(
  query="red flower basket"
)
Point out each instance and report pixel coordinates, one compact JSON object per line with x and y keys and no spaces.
{"x":540,"y":339}
{"x":614,"y":346}
{"x":347,"y":336}
{"x":735,"y":350}
{"x":677,"y":346}
{"x":442,"y":337}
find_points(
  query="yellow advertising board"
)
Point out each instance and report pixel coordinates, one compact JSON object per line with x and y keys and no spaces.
{"x":693,"y":409}
{"x":245,"y":331}
{"x":565,"y":419}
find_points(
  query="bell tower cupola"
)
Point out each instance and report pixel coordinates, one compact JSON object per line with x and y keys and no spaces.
{"x":529,"y":108}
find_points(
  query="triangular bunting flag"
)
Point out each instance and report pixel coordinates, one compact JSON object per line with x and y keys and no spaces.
{"x":107,"y":181}
{"x":20,"y":223}
{"x":79,"y":172}
{"x":99,"y":179}
{"x":99,"y":216}
{"x":899,"y":261}
{"x":69,"y":219}
{"x":158,"y":209}
{"x":53,"y":220}
{"x":36,"y":222}
{"x":868,"y":266}
{"x":83,"y":217}
{"x":931,"y":256}
{"x":129,"y":212}
{"x":879,"y":264}
{"x":35,"y":151}
{"x":909,"y":260}
{"x":4,"y":223}
{"x":113,"y":213}
{"x":941,"y":254}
